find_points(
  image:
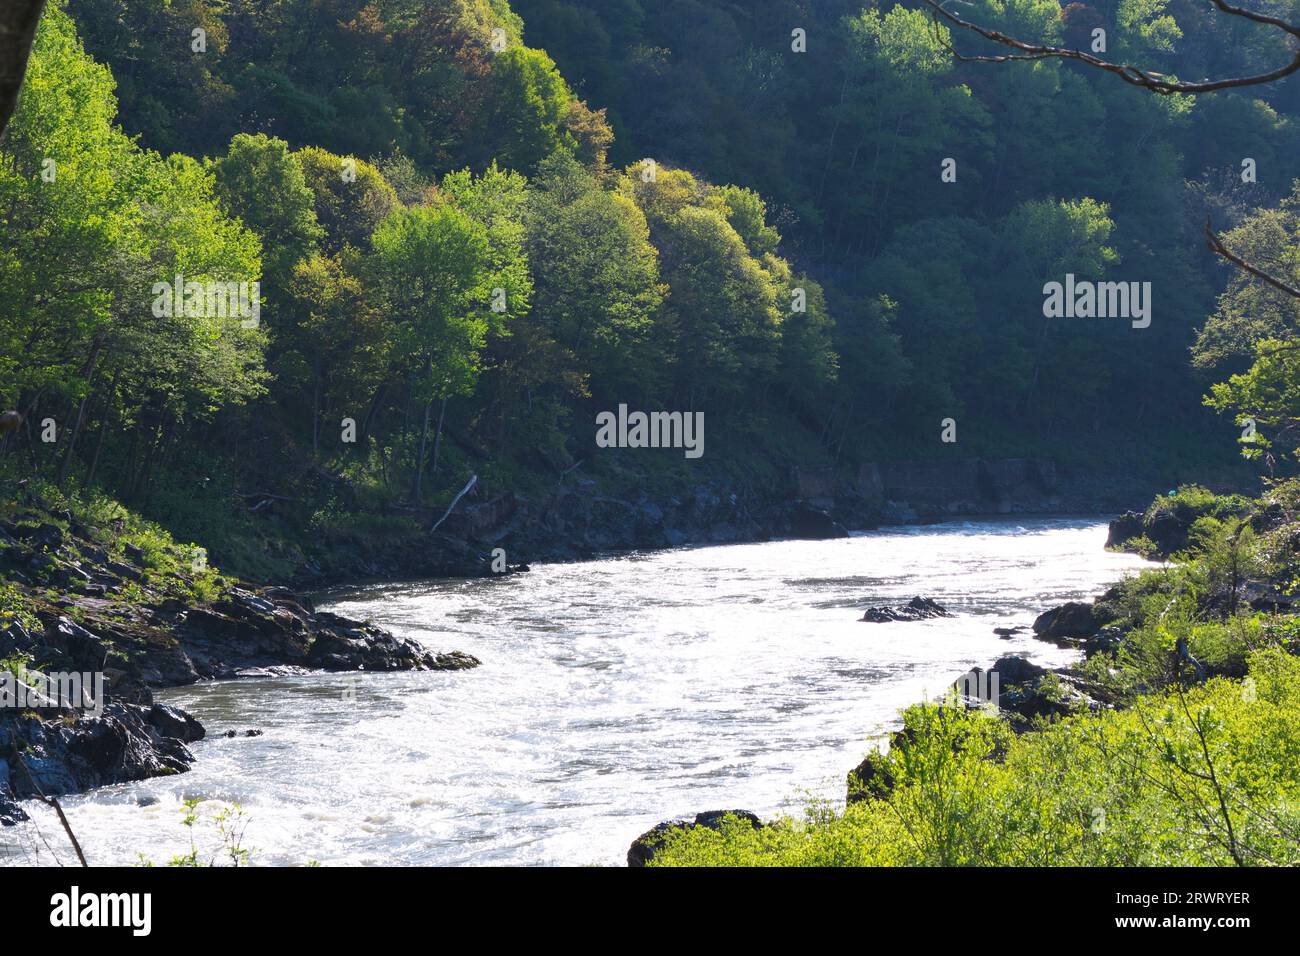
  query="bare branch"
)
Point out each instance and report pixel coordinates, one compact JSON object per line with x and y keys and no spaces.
{"x":1136,"y":76}
{"x":48,"y":801}
{"x":1219,"y":249}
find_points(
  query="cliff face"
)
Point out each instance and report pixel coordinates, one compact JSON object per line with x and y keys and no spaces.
{"x":905,"y":490}
{"x":968,"y":486}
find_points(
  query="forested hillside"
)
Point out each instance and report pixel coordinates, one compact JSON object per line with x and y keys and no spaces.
{"x":474,"y":226}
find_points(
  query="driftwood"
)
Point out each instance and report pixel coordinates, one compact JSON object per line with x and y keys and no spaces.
{"x":468,"y":485}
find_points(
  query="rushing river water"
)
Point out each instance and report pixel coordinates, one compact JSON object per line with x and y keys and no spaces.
{"x":613,"y":694}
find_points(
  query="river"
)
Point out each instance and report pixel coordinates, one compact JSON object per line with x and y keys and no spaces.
{"x":613,"y":694}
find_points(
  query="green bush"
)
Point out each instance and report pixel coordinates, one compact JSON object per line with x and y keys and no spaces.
{"x":15,"y":607}
{"x":1203,"y":777}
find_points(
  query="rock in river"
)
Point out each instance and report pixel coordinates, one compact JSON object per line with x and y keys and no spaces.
{"x":917,"y":609}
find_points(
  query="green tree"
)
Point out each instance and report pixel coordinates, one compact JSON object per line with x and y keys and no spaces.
{"x":597,"y":277}
{"x":350,"y":197}
{"x":262,"y":183}
{"x":434,"y":269}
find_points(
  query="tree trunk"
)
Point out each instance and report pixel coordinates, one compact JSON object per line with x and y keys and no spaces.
{"x":94,"y":459}
{"x":18,"y":22}
{"x":437,"y":437}
{"x":364,"y":437}
{"x":91,"y":365}
{"x":315,"y":410}
{"x":418,"y":492}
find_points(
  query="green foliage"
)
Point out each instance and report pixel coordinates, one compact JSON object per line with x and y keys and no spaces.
{"x":263,"y":184}
{"x":15,"y":608}
{"x":350,"y":197}
{"x":228,"y":825}
{"x":15,"y":663}
{"x":529,"y":101}
{"x":170,"y":567}
{"x":1194,"y":501}
{"x":433,"y":265}
{"x":597,"y":277}
{"x":1251,"y":312}
{"x":1266,"y":398}
{"x":817,"y":172}
{"x":1202,"y":777}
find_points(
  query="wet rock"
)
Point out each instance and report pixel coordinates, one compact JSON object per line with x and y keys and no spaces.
{"x":872,"y":779}
{"x":815,"y":525}
{"x":1168,"y":523}
{"x":44,"y":535}
{"x":1105,"y":641}
{"x":645,"y":846}
{"x":1074,"y":619}
{"x":1124,"y":529}
{"x":154,"y":639}
{"x":174,"y":722}
{"x":10,"y":812}
{"x":1266,"y":596}
{"x":60,"y":756}
{"x":1014,"y":669}
{"x":343,"y":644}
{"x":250,"y":601}
{"x":68,"y":646}
{"x":917,"y":609}
{"x":124,"y":571}
{"x":1026,"y":690}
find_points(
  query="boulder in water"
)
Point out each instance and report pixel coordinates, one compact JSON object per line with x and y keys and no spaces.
{"x":1072,"y":619}
{"x":917,"y":609}
{"x":815,"y":524}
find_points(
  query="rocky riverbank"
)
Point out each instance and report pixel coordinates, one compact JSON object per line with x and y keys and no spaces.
{"x":82,"y":600}
{"x":581,"y":517}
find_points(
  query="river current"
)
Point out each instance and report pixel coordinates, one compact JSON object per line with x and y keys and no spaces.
{"x":614,"y":694}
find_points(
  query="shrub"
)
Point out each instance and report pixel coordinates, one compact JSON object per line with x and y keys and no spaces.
{"x":1207,"y":776}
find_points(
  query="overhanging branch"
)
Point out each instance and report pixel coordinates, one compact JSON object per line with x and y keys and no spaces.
{"x":1219,"y":249}
{"x":1134,"y":75}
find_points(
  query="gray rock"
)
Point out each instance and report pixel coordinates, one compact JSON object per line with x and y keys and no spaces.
{"x":644,"y":847}
{"x":1072,"y":619}
{"x":917,"y":609}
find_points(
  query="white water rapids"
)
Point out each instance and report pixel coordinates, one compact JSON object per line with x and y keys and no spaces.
{"x":613,"y":694}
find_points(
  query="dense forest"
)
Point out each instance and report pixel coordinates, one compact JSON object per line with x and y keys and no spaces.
{"x":464,"y":228}
{"x":290,"y":278}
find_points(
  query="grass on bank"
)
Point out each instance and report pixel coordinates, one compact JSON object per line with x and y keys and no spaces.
{"x":168,"y":566}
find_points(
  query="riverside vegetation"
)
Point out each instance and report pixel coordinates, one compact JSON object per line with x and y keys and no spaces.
{"x":476,"y":226}
{"x":1171,"y":758}
{"x":464,"y":258}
